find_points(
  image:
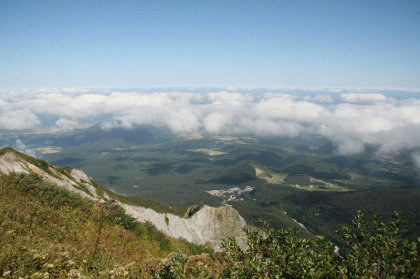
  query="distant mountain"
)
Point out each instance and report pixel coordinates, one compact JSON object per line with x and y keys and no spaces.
{"x":96,"y":133}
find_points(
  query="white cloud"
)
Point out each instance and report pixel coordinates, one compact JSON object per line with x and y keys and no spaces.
{"x":217,"y":122}
{"x":19,"y":119}
{"x":184,"y":120}
{"x":363,"y":118}
{"x":390,"y":126}
{"x":286,"y":109}
{"x":363,"y":97}
{"x":405,"y":137}
{"x":267,"y":127}
{"x":319,"y":99}
{"x":64,"y":125}
{"x":416,"y":159}
{"x":20,"y":146}
{"x":235,"y":98}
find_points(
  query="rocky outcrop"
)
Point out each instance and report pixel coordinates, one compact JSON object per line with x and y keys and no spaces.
{"x":206,"y":226}
{"x":191,"y":210}
{"x":9,"y":162}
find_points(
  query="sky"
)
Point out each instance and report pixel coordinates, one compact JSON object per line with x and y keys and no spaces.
{"x":258,"y":43}
{"x":345,"y":70}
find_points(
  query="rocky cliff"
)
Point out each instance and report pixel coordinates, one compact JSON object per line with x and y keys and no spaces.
{"x":207,"y":226}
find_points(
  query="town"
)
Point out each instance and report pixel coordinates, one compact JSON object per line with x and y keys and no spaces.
{"x":231,"y":194}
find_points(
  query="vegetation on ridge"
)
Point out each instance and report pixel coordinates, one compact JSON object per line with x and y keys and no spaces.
{"x":100,"y":190}
{"x":371,"y":253}
{"x":47,"y":230}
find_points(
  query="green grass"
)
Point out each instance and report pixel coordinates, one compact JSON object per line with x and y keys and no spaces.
{"x":323,"y":186}
{"x":208,"y":151}
{"x":268,"y":175}
{"x":47,"y":230}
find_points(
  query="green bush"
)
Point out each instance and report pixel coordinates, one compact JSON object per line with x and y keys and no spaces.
{"x":281,"y":255}
{"x":380,"y":253}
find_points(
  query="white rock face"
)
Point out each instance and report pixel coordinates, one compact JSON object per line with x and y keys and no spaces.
{"x":9,"y":162}
{"x":79,"y":176}
{"x":82,"y":178}
{"x":208,"y":226}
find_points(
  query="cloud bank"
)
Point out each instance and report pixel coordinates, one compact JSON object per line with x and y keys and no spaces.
{"x":350,"y":120}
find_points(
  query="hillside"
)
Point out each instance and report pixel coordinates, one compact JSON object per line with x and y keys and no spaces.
{"x":48,"y":231}
{"x":208,"y":226}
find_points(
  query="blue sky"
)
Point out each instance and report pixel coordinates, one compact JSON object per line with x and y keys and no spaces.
{"x":278,"y":43}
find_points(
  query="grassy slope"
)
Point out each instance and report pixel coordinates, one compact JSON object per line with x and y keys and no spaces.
{"x":46,"y":229}
{"x":132,"y":200}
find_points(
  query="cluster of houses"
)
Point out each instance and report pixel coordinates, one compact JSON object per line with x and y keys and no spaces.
{"x":232,"y":194}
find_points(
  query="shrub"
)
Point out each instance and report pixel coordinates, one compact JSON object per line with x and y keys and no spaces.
{"x":380,"y":253}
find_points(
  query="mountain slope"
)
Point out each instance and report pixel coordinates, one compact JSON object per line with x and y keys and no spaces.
{"x":208,"y":226}
{"x":47,"y":231}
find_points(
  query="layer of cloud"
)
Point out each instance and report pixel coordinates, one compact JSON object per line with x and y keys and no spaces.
{"x":18,"y":145}
{"x":352,"y":122}
{"x":363,"y":97}
{"x":416,"y":159}
{"x":18,"y":119}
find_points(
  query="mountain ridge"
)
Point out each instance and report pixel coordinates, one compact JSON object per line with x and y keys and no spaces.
{"x":208,"y":226}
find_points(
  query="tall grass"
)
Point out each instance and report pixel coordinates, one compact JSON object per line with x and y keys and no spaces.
{"x":48,"y":231}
